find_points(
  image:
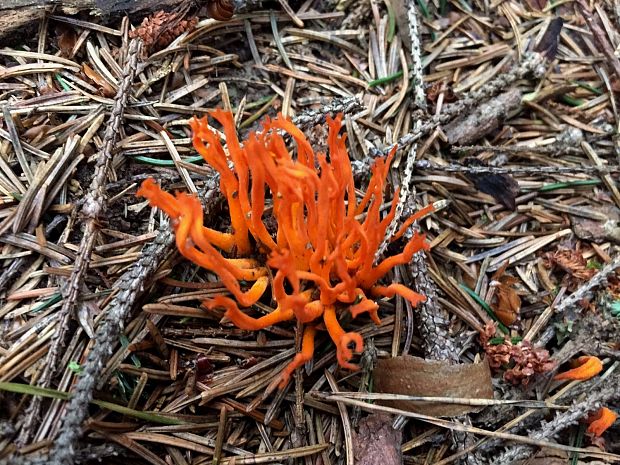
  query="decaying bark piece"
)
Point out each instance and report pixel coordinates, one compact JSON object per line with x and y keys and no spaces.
{"x":19,"y":17}
{"x":377,"y":441}
{"x":486,"y":118}
{"x":599,"y":231}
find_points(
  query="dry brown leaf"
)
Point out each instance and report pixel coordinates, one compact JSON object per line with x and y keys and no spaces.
{"x":548,"y":45}
{"x":106,"y":89}
{"x":418,"y":377}
{"x":507,"y":302}
{"x":502,"y":187}
{"x":36,"y":131}
{"x":67,"y":38}
{"x":537,"y":4}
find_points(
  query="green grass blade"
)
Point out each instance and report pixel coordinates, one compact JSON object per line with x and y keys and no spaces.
{"x":502,"y":327}
{"x":19,"y":388}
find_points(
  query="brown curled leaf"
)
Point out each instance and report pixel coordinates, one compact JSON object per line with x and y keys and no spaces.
{"x":106,"y":89}
{"x":507,"y":301}
{"x":418,"y":377}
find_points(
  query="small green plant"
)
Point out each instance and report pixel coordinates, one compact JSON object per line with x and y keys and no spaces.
{"x":75,"y":367}
{"x":563,"y":331}
{"x":614,"y":308}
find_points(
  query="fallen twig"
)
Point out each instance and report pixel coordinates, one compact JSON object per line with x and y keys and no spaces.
{"x":563,"y":420}
{"x":93,"y":207}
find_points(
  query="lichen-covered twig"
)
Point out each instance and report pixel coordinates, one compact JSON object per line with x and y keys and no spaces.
{"x":606,"y":391}
{"x":310,"y":118}
{"x":419,"y":96}
{"x":425,"y":165}
{"x":533,"y":63}
{"x":407,"y":191}
{"x":570,"y":302}
{"x":94,"y":203}
{"x":93,"y":207}
{"x":130,"y":285}
{"x":362,"y":166}
{"x":433,"y":321}
{"x":553,"y":149}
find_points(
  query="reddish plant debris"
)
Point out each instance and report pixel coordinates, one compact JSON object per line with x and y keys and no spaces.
{"x":222,"y":10}
{"x":204,"y":368}
{"x":322,"y":257}
{"x":613,"y":286}
{"x":586,"y":367}
{"x":438,"y":88}
{"x":521,"y":361}
{"x":160,"y":29}
{"x":572,"y":262}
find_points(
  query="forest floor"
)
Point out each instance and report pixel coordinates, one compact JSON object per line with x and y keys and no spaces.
{"x":504,"y":117}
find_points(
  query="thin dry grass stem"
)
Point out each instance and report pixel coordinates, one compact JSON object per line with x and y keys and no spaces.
{"x":346,"y":423}
{"x":470,"y":429}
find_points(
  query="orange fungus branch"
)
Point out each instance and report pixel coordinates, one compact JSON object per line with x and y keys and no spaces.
{"x":601,"y":420}
{"x":322,"y":252}
{"x":587,"y":367}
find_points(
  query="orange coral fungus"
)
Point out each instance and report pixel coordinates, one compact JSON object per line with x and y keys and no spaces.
{"x":601,"y":420}
{"x":323,"y":251}
{"x":587,"y":367}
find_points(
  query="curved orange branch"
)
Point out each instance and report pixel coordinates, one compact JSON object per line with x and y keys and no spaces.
{"x":601,"y":421}
{"x":159,"y":198}
{"x":416,"y":216}
{"x":307,"y":351}
{"x":243,"y":321}
{"x":399,"y":289}
{"x":342,"y":339}
{"x":229,"y":184}
{"x":366,"y":305}
{"x":588,"y":367}
{"x":369,"y":277}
